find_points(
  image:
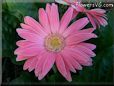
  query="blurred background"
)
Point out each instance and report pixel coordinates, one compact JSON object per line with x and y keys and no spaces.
{"x":12,"y":71}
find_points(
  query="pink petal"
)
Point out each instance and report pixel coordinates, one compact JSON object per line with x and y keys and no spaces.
{"x":76,"y":64}
{"x":99,"y":10}
{"x":71,"y":59}
{"x":88,"y":45}
{"x":33,"y":64}
{"x":54,"y":18}
{"x":91,"y":20}
{"x":75,"y":13}
{"x":88,"y":30}
{"x":66,"y":19}
{"x":27,"y":27}
{"x":102,"y":21}
{"x":48,"y":9}
{"x":61,"y":65}
{"x":74,"y":39}
{"x":43,"y":18}
{"x":86,"y":50}
{"x":27,"y":63}
{"x":21,"y":58}
{"x":68,"y":76}
{"x":41,"y":59}
{"x":34,"y":24}
{"x":67,"y":62}
{"x":80,"y":56}
{"x":97,"y":13}
{"x":79,"y":24}
{"x":28,"y":51}
{"x":23,"y":43}
{"x":48,"y":63}
{"x":25,"y":34}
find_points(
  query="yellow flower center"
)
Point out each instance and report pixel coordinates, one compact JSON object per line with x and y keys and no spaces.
{"x":54,"y":43}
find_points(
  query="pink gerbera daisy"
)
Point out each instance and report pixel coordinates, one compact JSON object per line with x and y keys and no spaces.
{"x":96,"y":16}
{"x":52,"y":41}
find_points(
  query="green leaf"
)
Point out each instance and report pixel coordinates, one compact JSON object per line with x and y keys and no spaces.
{"x":24,"y":79}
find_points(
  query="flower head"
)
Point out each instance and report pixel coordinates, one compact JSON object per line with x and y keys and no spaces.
{"x":52,"y":41}
{"x":96,"y":16}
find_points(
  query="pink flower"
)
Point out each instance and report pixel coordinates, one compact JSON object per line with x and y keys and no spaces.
{"x":96,"y":16}
{"x":52,"y":41}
